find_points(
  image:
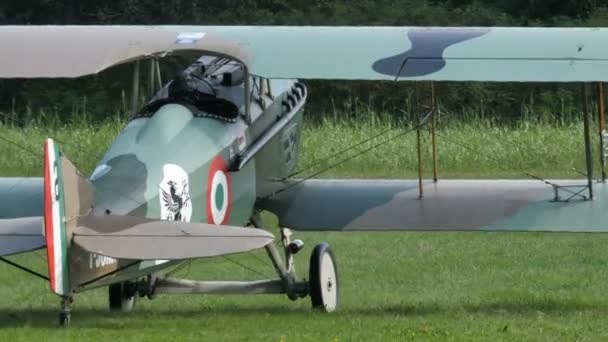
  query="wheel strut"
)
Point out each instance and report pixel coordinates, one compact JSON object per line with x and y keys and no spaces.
{"x":65,"y":311}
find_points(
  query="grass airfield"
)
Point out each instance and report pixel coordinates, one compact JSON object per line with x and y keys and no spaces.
{"x":441,"y":286}
{"x":393,"y":286}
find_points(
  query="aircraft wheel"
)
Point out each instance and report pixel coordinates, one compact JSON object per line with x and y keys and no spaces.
{"x":122,"y":296}
{"x":323,"y":279}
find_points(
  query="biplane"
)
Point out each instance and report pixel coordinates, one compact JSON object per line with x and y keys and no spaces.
{"x":195,"y":166}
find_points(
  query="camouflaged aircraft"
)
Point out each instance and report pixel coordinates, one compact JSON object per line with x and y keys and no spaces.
{"x":190,"y":173}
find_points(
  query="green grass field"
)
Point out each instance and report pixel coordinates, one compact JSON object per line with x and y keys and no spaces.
{"x":394,"y":286}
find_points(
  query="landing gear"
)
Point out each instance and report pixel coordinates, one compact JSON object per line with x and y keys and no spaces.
{"x":323,"y":279}
{"x":65,"y":311}
{"x":122,"y":296}
{"x":322,"y":285}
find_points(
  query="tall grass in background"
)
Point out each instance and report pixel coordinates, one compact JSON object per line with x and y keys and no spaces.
{"x":21,"y":147}
{"x":471,"y":144}
{"x":467,"y":148}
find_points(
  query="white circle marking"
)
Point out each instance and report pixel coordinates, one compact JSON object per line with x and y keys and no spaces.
{"x":219,"y":214}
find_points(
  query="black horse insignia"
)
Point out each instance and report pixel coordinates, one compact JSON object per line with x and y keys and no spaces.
{"x":175,"y":201}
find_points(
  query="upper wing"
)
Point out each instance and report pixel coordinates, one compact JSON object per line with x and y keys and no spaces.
{"x":364,"y":53}
{"x":505,"y":205}
{"x":423,"y":53}
{"x":73,"y":51}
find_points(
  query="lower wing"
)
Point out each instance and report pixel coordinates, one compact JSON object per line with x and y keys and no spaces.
{"x":21,"y":222}
{"x":21,"y":235}
{"x":496,"y":205}
{"x":20,"y":197}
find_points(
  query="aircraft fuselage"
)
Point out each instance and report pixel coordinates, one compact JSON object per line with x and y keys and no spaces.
{"x":174,"y":164}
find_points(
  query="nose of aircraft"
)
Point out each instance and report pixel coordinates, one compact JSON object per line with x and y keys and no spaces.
{"x":167,"y":166}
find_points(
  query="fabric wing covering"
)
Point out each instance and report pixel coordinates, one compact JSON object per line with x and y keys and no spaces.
{"x":21,"y":235}
{"x":355,"y":53}
{"x":74,"y":51}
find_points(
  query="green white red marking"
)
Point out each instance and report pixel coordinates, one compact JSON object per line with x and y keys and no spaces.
{"x":54,"y":225}
{"x":219,"y":192}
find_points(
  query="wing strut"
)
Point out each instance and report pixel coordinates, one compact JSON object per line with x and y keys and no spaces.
{"x":587,"y":140}
{"x":434,"y":112}
{"x":602,"y":127}
{"x":424,"y":104}
{"x":135,"y":90}
{"x":419,"y":140}
{"x":23,"y":268}
{"x":105,"y":275}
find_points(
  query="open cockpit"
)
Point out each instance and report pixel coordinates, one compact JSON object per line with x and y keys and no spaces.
{"x":210,"y":87}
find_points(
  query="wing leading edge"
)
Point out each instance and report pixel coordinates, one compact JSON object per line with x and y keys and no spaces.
{"x":499,"y":54}
{"x":74,"y":51}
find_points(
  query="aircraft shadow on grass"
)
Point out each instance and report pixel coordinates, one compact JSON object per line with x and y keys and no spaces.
{"x":105,"y":319}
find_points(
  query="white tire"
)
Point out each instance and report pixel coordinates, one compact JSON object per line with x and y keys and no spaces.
{"x":323,"y":279}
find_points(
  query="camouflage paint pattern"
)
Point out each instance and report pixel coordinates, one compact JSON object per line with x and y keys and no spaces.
{"x":129,"y":180}
{"x":493,"y":205}
{"x":500,"y":54}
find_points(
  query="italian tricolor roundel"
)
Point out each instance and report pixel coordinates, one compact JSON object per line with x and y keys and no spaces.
{"x":219,"y":192}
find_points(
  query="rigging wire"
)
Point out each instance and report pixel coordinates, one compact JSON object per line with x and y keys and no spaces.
{"x":32,"y":152}
{"x":18,"y":145}
{"x":78,"y":149}
{"x":180,"y":267}
{"x":524,"y":172}
{"x":342,"y":161}
{"x":321,"y":161}
{"x":46,"y":132}
{"x":259,"y":260}
{"x":495,"y":159}
{"x":23,"y":268}
{"x":189,"y":263}
{"x":246,"y":267}
{"x":513,"y":144}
